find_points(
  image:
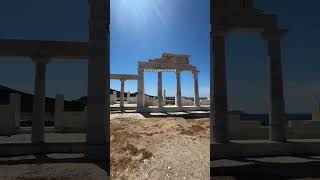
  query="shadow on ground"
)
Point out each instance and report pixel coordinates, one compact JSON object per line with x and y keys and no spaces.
{"x":255,"y":168}
{"x":182,"y":114}
{"x":45,"y":159}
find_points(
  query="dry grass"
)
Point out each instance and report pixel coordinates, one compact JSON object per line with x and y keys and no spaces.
{"x":192,"y":130}
{"x":129,"y":155}
{"x":134,"y":151}
{"x":137,"y":144}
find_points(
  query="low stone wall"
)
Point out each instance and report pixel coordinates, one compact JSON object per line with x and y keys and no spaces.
{"x":316,"y":113}
{"x":263,"y":148}
{"x":132,"y":100}
{"x":204,"y":102}
{"x":27,"y":116}
{"x":150,"y":102}
{"x":304,"y":129}
{"x":10,"y":116}
{"x":298,"y":129}
{"x":70,"y":122}
{"x":246,"y":129}
{"x":186,"y":102}
{"x":113,"y":98}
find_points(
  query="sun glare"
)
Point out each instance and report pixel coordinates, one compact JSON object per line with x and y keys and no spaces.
{"x":138,"y":13}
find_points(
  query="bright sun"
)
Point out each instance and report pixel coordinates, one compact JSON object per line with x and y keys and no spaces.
{"x":138,"y":12}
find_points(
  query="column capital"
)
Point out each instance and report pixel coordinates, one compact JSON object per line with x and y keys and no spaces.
{"x":274,"y":34}
{"x":195,"y":73}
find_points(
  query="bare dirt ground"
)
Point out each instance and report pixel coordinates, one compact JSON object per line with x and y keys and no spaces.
{"x":159,"y":148}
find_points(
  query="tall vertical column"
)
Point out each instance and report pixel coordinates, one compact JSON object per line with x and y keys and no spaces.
{"x":38,"y":115}
{"x":140,"y":96}
{"x":15,"y":103}
{"x":178,"y":92}
{"x":122,"y":94}
{"x":196,"y":89}
{"x":218,"y":90}
{"x":160,"y":89}
{"x":277,"y":117}
{"x":58,"y":109}
{"x":98,"y":87}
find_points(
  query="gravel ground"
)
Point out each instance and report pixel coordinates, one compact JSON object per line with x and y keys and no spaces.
{"x":159,"y":148}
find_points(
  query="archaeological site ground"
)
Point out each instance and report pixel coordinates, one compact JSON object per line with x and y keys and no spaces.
{"x":139,"y":89}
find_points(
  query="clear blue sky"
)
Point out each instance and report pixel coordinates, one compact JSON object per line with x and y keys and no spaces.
{"x":141,"y":30}
{"x":144,"y":29}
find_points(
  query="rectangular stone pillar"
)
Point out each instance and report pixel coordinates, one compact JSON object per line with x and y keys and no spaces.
{"x":178,"y":92}
{"x":160,"y":89}
{"x":122,"y":94}
{"x":218,"y":91}
{"x":59,"y":103}
{"x":128,"y":95}
{"x":15,"y":103}
{"x":58,"y":109}
{"x":38,"y":115}
{"x":140,"y":95}
{"x":277,"y":117}
{"x":98,"y":82}
{"x":196,"y":89}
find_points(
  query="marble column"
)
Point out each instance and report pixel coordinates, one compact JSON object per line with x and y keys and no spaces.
{"x":277,"y":118}
{"x":218,"y":91}
{"x":122,"y":93}
{"x":39,"y":99}
{"x":140,"y":95}
{"x":178,"y":92}
{"x":98,"y":134}
{"x":160,"y":89}
{"x":196,"y":89}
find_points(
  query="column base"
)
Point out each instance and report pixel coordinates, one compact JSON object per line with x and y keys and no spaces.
{"x":278,"y":133}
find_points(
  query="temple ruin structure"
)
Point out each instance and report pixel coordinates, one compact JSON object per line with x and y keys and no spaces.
{"x":172,"y":63}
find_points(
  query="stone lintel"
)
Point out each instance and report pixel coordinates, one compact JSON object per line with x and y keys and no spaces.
{"x":242,"y":19}
{"x":54,"y":49}
{"x":123,"y":77}
{"x":178,"y":55}
{"x":157,"y":65}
